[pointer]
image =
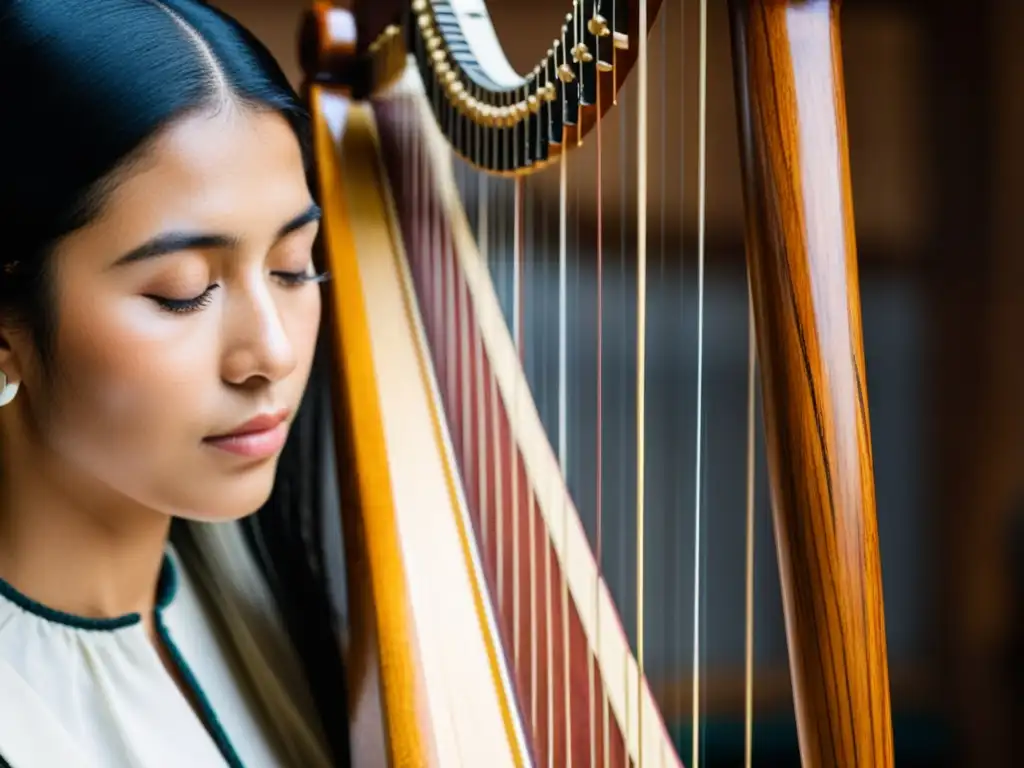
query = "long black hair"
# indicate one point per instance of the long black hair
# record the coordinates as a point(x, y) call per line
point(84, 85)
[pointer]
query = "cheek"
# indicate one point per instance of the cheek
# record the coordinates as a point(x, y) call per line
point(130, 397)
point(139, 390)
point(303, 326)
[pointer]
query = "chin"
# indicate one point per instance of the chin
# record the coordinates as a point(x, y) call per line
point(231, 497)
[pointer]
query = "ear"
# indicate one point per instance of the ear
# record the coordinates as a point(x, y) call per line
point(13, 349)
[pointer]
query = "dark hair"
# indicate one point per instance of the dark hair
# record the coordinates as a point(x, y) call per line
point(85, 85)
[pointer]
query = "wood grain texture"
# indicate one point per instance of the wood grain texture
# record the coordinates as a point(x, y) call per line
point(382, 626)
point(801, 253)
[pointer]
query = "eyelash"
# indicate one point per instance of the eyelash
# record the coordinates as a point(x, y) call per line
point(185, 306)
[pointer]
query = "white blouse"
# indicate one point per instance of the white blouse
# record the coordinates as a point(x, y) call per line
point(95, 693)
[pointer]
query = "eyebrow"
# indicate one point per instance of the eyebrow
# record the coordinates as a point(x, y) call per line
point(175, 242)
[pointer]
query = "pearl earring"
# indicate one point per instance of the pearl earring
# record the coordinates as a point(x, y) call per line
point(8, 389)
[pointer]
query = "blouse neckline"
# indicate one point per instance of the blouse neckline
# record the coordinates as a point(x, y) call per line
point(167, 587)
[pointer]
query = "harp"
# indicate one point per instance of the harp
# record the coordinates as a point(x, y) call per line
point(484, 628)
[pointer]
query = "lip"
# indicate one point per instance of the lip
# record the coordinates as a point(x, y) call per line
point(259, 438)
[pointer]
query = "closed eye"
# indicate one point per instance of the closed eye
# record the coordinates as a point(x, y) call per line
point(196, 303)
point(301, 278)
point(184, 306)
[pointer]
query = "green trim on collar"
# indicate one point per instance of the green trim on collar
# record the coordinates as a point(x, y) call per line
point(167, 584)
point(167, 587)
point(166, 590)
point(209, 716)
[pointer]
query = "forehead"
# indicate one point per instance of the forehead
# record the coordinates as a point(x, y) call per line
point(233, 169)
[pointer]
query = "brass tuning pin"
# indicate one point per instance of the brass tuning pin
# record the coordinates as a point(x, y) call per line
point(581, 54)
point(533, 100)
point(564, 71)
point(598, 26)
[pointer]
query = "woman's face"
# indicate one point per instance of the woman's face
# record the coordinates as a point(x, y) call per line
point(179, 320)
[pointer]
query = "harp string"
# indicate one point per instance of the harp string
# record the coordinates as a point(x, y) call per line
point(545, 380)
point(623, 499)
point(563, 443)
point(517, 321)
point(549, 625)
point(483, 238)
point(578, 271)
point(452, 337)
point(517, 331)
point(499, 485)
point(531, 510)
point(662, 223)
point(680, 494)
point(577, 15)
point(598, 462)
point(641, 362)
point(748, 662)
point(615, 56)
point(438, 270)
point(464, 351)
point(698, 506)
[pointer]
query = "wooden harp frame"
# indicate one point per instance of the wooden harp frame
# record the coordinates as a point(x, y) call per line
point(802, 266)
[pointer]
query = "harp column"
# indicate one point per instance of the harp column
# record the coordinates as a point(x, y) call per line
point(802, 261)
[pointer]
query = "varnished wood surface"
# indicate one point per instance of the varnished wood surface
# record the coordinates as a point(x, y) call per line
point(802, 260)
point(383, 631)
point(327, 43)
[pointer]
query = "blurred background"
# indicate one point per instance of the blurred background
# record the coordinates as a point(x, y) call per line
point(935, 119)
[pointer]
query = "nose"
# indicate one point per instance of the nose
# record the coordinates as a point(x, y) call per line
point(259, 347)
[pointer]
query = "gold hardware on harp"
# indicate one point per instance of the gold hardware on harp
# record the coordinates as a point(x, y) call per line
point(598, 26)
point(580, 54)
